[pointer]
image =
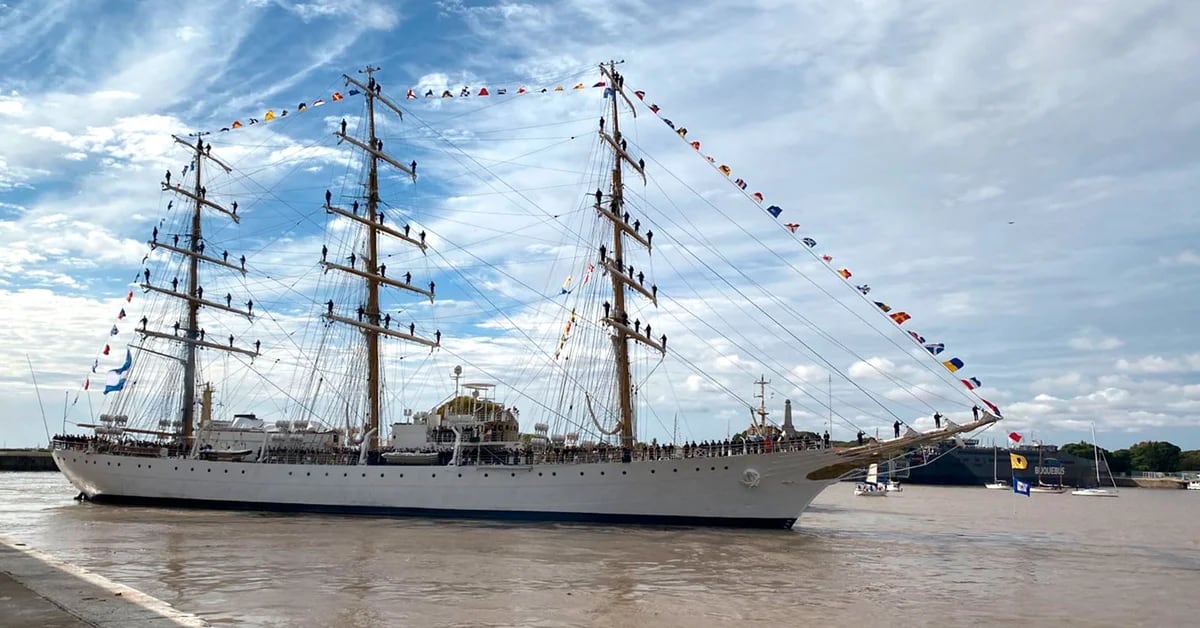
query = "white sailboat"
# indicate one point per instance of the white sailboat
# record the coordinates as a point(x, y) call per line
point(1097, 491)
point(1042, 487)
point(996, 483)
point(871, 486)
point(465, 456)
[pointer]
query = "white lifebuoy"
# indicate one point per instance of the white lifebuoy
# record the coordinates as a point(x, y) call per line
point(750, 478)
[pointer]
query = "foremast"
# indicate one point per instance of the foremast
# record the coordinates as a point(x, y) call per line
point(369, 319)
point(621, 275)
point(194, 336)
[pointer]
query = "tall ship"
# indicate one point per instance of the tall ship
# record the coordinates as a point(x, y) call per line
point(967, 462)
point(527, 422)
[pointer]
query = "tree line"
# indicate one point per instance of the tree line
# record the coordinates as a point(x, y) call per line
point(1150, 455)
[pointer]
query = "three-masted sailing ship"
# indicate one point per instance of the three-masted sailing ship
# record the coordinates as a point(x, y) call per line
point(467, 457)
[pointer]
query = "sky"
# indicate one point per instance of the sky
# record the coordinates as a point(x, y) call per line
point(1021, 182)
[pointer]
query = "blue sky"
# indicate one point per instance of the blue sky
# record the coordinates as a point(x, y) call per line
point(1021, 182)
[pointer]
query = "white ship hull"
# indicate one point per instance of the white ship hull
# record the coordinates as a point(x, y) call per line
point(757, 490)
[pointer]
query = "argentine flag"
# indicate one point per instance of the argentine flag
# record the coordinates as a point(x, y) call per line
point(115, 379)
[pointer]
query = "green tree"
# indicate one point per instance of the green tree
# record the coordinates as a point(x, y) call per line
point(1155, 456)
point(1189, 460)
point(1119, 461)
point(1081, 449)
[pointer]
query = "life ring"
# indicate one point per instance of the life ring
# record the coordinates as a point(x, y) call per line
point(750, 478)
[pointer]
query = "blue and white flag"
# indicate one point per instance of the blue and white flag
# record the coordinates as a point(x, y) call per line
point(1020, 488)
point(115, 379)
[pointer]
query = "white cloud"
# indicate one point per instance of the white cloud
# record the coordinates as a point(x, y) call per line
point(1071, 381)
point(981, 193)
point(1089, 342)
point(1158, 364)
point(1183, 258)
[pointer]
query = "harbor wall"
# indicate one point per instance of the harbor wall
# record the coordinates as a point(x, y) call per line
point(37, 589)
point(1173, 483)
point(27, 460)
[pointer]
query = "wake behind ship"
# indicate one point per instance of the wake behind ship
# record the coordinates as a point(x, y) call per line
point(345, 436)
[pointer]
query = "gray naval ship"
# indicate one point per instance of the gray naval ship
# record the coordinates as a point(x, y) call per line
point(967, 463)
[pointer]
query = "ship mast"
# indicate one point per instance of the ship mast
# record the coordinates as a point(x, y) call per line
point(620, 272)
point(369, 319)
point(193, 335)
point(762, 404)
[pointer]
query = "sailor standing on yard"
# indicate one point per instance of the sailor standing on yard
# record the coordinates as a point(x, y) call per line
point(896, 428)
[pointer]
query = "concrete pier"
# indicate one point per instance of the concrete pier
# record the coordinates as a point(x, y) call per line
point(26, 460)
point(41, 591)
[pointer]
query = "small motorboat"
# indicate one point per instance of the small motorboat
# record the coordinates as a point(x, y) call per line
point(226, 455)
point(1094, 492)
point(410, 457)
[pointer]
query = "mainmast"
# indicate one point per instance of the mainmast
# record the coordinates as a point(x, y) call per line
point(620, 272)
point(369, 318)
point(193, 335)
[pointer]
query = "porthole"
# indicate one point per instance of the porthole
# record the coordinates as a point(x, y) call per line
point(514, 475)
point(697, 469)
point(402, 475)
point(176, 468)
point(581, 474)
point(226, 470)
point(139, 466)
point(651, 470)
point(675, 470)
point(243, 472)
point(193, 469)
point(601, 473)
point(485, 475)
point(539, 474)
point(554, 473)
point(208, 470)
point(713, 469)
point(289, 472)
point(624, 473)
point(118, 464)
point(364, 475)
point(345, 475)
point(433, 475)
point(380, 475)
point(306, 474)
point(326, 474)
point(460, 475)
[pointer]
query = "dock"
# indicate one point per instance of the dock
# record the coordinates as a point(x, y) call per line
point(39, 590)
point(27, 460)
